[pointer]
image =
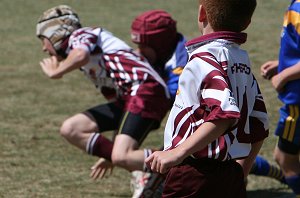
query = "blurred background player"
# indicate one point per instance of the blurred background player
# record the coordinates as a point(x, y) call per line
point(157, 39)
point(138, 96)
point(285, 78)
point(156, 36)
point(219, 114)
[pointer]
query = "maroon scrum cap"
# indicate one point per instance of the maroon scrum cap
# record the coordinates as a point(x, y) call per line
point(156, 29)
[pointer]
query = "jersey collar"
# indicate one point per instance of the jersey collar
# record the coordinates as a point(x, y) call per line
point(235, 37)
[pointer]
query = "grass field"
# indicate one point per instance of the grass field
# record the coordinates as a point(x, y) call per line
point(34, 160)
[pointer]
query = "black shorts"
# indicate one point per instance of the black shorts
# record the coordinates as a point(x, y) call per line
point(288, 147)
point(111, 116)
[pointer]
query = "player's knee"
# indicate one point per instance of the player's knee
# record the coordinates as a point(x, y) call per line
point(67, 129)
point(280, 160)
point(277, 159)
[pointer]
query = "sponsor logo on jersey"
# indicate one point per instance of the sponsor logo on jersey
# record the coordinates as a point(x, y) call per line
point(178, 106)
point(240, 68)
point(232, 99)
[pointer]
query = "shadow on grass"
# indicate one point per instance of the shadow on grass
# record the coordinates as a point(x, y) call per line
point(270, 193)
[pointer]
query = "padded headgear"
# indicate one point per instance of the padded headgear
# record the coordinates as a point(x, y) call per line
point(156, 29)
point(56, 24)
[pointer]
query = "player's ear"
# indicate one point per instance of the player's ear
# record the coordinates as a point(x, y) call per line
point(202, 14)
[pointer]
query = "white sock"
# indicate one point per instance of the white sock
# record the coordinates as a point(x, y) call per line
point(147, 153)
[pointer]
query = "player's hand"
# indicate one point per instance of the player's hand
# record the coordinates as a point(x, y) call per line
point(49, 66)
point(162, 161)
point(100, 168)
point(269, 69)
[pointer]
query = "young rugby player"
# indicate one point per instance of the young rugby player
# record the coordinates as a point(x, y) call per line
point(157, 39)
point(138, 96)
point(285, 77)
point(219, 114)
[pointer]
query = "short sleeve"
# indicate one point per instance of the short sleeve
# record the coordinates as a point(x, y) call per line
point(217, 97)
point(83, 38)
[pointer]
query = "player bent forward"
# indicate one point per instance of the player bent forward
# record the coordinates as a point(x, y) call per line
point(138, 97)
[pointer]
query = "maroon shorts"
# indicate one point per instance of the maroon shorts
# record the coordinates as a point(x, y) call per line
point(205, 178)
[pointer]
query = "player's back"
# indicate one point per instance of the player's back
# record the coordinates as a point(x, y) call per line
point(218, 80)
point(253, 123)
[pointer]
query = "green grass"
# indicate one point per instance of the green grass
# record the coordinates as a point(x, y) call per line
point(34, 160)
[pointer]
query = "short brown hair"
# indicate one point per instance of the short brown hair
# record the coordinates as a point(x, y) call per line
point(229, 15)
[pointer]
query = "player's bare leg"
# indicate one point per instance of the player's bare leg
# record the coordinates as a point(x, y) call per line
point(77, 129)
point(290, 166)
point(125, 153)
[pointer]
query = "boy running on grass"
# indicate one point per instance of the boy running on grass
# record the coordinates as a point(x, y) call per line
point(219, 114)
point(137, 96)
point(156, 36)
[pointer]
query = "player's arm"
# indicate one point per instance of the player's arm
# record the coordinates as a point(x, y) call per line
point(55, 69)
point(247, 163)
point(162, 161)
point(289, 74)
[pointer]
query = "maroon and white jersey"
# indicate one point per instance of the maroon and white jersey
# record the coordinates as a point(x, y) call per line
point(217, 83)
point(113, 64)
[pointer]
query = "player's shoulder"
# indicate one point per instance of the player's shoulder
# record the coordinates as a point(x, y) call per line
point(201, 63)
point(296, 2)
point(205, 55)
point(86, 31)
point(295, 6)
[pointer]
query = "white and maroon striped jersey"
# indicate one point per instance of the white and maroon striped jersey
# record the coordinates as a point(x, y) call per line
point(217, 83)
point(113, 64)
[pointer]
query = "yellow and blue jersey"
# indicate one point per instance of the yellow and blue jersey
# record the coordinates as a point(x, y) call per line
point(289, 53)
